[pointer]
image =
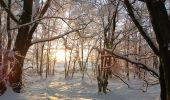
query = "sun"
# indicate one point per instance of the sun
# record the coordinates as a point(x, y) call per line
point(60, 55)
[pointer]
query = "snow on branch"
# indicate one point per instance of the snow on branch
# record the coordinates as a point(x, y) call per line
point(39, 19)
point(85, 25)
point(55, 37)
point(13, 17)
point(136, 21)
point(119, 56)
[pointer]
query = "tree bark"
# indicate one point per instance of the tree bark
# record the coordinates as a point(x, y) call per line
point(161, 25)
point(23, 42)
point(21, 47)
point(162, 83)
point(2, 83)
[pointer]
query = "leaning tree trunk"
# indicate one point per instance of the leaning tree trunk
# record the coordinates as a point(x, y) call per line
point(21, 47)
point(23, 42)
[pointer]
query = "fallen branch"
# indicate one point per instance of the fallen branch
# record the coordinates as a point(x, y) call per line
point(143, 90)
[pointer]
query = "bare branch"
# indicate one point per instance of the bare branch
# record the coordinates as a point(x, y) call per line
point(129, 86)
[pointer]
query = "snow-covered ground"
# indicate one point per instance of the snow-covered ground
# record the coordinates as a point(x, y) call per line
point(58, 88)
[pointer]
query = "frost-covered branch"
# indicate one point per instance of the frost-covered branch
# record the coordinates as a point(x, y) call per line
point(66, 45)
point(13, 17)
point(55, 37)
point(140, 28)
point(39, 19)
point(140, 65)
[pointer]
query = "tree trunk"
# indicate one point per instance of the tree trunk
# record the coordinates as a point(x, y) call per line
point(74, 65)
point(37, 56)
point(161, 25)
point(15, 78)
point(162, 83)
point(41, 60)
point(2, 83)
point(65, 64)
point(21, 47)
point(127, 63)
point(166, 71)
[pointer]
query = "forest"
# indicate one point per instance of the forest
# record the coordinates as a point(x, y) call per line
point(84, 50)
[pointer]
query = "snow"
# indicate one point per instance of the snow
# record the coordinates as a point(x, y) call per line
point(58, 88)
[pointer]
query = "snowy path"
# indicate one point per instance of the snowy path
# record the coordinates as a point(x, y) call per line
point(57, 88)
